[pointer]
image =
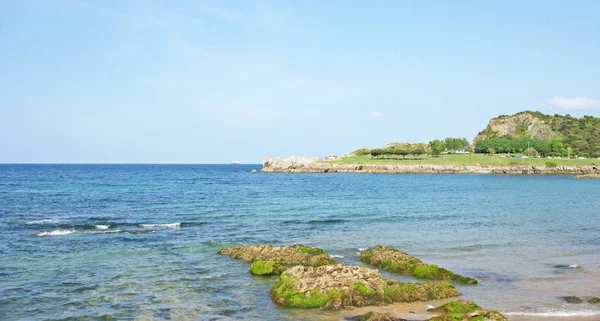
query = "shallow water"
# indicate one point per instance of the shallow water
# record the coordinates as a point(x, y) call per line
point(140, 241)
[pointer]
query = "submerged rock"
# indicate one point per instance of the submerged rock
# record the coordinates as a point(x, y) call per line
point(594, 300)
point(340, 286)
point(573, 299)
point(376, 316)
point(396, 261)
point(462, 310)
point(269, 259)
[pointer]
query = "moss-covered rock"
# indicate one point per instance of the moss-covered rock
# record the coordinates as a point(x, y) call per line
point(573, 299)
point(376, 316)
point(462, 310)
point(339, 286)
point(269, 267)
point(423, 291)
point(269, 259)
point(594, 300)
point(396, 261)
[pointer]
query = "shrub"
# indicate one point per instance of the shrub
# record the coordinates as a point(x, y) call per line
point(551, 164)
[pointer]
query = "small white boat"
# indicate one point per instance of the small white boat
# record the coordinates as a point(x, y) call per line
point(236, 162)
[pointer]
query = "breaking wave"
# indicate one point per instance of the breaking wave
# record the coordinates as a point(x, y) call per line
point(55, 233)
point(168, 225)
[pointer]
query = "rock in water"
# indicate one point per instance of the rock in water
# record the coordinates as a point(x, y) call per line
point(340, 286)
point(462, 310)
point(594, 300)
point(396, 261)
point(269, 259)
point(573, 299)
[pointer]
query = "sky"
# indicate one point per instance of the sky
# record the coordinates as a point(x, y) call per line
point(87, 81)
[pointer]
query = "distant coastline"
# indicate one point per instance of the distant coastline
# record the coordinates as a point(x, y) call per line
point(296, 164)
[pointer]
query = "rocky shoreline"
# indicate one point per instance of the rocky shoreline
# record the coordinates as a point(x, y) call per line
point(309, 278)
point(296, 164)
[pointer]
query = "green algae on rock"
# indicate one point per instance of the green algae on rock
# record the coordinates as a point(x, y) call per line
point(393, 260)
point(268, 259)
point(594, 300)
point(340, 286)
point(462, 310)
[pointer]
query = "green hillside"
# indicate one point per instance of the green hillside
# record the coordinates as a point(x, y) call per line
point(581, 135)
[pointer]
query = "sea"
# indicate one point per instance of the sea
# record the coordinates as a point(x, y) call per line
point(140, 242)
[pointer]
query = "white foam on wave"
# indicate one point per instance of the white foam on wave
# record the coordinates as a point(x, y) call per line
point(557, 313)
point(211, 276)
point(170, 225)
point(105, 231)
point(361, 249)
point(55, 233)
point(573, 266)
point(42, 222)
point(337, 256)
point(102, 227)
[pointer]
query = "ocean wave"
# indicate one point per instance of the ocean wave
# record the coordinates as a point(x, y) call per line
point(557, 313)
point(210, 277)
point(360, 249)
point(102, 227)
point(337, 256)
point(55, 233)
point(168, 225)
point(42, 222)
point(106, 231)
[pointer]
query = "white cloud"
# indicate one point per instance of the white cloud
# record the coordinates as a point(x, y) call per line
point(376, 114)
point(574, 103)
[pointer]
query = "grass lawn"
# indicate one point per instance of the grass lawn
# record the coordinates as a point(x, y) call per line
point(466, 159)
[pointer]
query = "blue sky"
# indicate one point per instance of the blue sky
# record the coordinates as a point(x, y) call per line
point(214, 81)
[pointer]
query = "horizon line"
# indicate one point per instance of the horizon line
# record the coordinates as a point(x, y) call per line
point(67, 163)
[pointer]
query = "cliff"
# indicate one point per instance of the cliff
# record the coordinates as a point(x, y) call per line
point(296, 164)
point(523, 124)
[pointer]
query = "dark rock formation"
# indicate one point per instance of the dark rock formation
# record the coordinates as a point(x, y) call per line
point(573, 299)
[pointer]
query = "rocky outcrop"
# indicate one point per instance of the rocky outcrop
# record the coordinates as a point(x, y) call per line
point(269, 259)
point(524, 124)
point(291, 162)
point(312, 165)
point(396, 261)
point(341, 286)
point(461, 310)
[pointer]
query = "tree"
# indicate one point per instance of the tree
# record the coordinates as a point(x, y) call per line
point(376, 152)
point(449, 142)
point(402, 150)
point(437, 147)
point(417, 149)
point(491, 150)
point(530, 152)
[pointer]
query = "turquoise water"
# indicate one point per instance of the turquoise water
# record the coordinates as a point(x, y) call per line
point(139, 241)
